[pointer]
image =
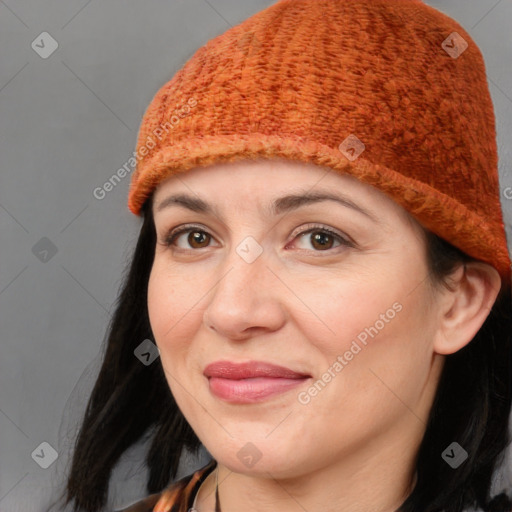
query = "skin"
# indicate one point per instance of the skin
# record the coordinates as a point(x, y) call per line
point(301, 304)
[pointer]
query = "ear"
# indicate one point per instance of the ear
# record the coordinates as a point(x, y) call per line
point(464, 308)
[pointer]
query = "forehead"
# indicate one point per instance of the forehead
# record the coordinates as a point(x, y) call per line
point(262, 178)
point(266, 184)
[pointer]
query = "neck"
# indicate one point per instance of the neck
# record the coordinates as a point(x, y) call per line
point(358, 488)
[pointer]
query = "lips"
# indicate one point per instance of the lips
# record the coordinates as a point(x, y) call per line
point(255, 381)
point(252, 369)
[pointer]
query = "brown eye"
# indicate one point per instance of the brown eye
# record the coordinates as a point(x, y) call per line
point(196, 239)
point(322, 240)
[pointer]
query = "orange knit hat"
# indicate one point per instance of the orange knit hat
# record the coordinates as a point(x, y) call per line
point(393, 92)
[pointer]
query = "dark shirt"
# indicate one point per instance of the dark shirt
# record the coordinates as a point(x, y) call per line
point(177, 497)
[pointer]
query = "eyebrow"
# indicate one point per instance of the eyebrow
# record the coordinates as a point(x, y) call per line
point(278, 206)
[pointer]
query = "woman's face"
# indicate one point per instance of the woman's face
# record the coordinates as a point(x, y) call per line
point(335, 292)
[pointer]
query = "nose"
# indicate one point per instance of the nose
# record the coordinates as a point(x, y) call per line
point(247, 299)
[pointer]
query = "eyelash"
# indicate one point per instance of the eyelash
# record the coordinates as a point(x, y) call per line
point(174, 234)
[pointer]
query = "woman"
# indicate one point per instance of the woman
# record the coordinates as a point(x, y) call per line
point(320, 294)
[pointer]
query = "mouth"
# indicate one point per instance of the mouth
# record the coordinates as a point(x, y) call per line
point(251, 382)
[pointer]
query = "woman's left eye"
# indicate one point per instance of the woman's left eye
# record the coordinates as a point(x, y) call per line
point(322, 239)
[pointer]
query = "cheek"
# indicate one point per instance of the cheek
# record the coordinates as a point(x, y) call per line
point(171, 319)
point(159, 301)
point(176, 312)
point(377, 324)
point(170, 309)
point(347, 311)
point(371, 366)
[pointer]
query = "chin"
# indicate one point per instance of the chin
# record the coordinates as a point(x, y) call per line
point(259, 458)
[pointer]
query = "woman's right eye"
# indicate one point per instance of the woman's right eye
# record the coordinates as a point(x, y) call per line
point(196, 235)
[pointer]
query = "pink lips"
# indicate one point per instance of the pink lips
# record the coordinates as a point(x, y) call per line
point(250, 382)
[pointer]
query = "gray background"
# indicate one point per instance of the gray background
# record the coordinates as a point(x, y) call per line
point(67, 123)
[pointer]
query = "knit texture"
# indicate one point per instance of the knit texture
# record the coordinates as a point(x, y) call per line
point(310, 80)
